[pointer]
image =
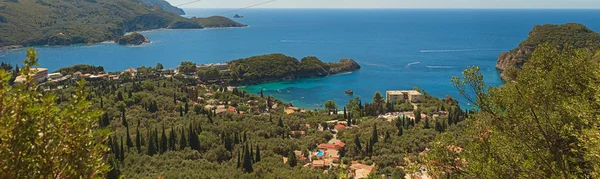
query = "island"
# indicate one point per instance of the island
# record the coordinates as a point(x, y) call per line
point(265, 68)
point(568, 35)
point(58, 23)
point(132, 39)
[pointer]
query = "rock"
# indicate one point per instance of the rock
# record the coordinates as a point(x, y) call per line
point(344, 65)
point(133, 39)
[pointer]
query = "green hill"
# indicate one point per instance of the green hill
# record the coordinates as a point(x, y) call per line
point(165, 6)
point(275, 67)
point(66, 22)
point(567, 35)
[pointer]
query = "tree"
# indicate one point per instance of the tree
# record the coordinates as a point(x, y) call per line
point(400, 131)
point(547, 119)
point(257, 158)
point(164, 146)
point(138, 139)
point(330, 106)
point(426, 126)
point(159, 66)
point(387, 136)
point(375, 136)
point(292, 161)
point(357, 143)
point(129, 141)
point(247, 160)
point(180, 111)
point(172, 140)
point(417, 114)
point(151, 145)
point(182, 140)
point(32, 149)
point(194, 141)
point(187, 107)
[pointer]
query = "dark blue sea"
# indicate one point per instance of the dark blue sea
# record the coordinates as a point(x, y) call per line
point(398, 49)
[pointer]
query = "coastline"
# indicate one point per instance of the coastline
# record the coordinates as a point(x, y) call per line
point(19, 47)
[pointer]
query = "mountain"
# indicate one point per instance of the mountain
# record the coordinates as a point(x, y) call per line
point(165, 6)
point(66, 22)
point(567, 35)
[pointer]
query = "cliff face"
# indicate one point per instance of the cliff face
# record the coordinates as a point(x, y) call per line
point(132, 39)
point(562, 36)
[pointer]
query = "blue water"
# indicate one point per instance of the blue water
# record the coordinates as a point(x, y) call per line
point(398, 49)
point(320, 154)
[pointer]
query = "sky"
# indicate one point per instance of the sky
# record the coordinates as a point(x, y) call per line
point(565, 4)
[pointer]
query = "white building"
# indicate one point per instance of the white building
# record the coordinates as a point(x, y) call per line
point(412, 96)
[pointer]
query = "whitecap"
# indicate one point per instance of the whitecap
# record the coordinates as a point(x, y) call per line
point(412, 63)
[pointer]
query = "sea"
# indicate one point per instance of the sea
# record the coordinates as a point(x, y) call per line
point(397, 48)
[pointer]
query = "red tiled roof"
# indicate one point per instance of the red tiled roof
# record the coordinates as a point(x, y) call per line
point(340, 126)
point(340, 143)
point(328, 146)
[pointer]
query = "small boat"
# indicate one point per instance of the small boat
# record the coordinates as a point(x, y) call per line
point(349, 92)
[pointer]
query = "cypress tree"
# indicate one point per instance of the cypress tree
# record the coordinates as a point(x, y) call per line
point(400, 131)
point(182, 140)
point(151, 146)
point(124, 119)
point(193, 140)
point(172, 140)
point(119, 96)
point(180, 111)
point(357, 143)
point(257, 159)
point(129, 141)
point(292, 159)
point(101, 103)
point(122, 151)
point(187, 107)
point(156, 141)
point(375, 137)
point(251, 154)
point(163, 141)
point(174, 98)
point(238, 160)
point(438, 126)
point(427, 123)
point(247, 160)
point(345, 115)
point(280, 122)
point(261, 91)
point(236, 139)
point(138, 140)
point(417, 114)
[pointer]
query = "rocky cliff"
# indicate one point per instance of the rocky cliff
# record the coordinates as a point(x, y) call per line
point(132, 39)
point(564, 36)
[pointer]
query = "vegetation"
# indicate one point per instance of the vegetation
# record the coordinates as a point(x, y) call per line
point(43, 139)
point(53, 22)
point(81, 68)
point(544, 125)
point(132, 39)
point(165, 6)
point(278, 66)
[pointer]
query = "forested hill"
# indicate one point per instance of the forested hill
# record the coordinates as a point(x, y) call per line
point(66, 22)
point(165, 6)
point(567, 35)
point(274, 67)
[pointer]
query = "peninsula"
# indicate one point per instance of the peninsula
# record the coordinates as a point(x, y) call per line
point(55, 23)
point(266, 68)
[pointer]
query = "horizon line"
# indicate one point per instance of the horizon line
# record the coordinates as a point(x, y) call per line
point(407, 8)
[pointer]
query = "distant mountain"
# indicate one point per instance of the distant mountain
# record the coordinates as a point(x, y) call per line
point(166, 6)
point(66, 22)
point(567, 35)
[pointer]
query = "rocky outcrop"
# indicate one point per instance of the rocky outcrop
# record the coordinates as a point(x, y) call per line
point(344, 65)
point(133, 39)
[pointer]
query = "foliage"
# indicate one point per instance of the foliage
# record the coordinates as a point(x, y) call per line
point(543, 125)
point(42, 139)
point(81, 68)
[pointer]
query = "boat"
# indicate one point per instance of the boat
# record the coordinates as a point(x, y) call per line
point(238, 16)
point(349, 92)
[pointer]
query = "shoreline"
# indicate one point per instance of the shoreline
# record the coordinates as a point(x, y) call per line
point(19, 47)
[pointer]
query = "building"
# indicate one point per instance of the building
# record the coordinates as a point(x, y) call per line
point(219, 66)
point(412, 96)
point(38, 74)
point(361, 170)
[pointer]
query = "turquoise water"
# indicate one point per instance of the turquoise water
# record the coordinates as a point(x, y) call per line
point(398, 49)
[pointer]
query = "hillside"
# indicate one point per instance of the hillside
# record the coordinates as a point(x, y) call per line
point(165, 6)
point(57, 22)
point(567, 35)
point(273, 67)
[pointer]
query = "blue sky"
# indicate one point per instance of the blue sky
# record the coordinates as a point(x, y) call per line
point(570, 4)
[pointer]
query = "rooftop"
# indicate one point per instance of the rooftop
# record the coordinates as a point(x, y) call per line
point(399, 92)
